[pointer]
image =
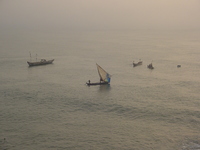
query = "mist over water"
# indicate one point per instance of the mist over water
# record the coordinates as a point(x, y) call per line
point(101, 15)
point(50, 107)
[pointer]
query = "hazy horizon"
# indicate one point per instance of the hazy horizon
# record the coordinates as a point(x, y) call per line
point(102, 15)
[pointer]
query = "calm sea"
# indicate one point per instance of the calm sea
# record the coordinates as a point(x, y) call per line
point(50, 107)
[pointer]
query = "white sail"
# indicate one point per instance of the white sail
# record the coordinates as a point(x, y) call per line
point(104, 76)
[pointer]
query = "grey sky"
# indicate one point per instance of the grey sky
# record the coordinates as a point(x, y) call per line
point(100, 14)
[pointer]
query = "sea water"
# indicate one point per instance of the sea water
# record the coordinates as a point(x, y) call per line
point(50, 107)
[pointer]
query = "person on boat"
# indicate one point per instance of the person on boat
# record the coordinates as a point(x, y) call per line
point(89, 81)
point(101, 80)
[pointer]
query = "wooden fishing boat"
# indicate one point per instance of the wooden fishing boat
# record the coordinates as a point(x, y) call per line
point(41, 62)
point(150, 66)
point(104, 77)
point(96, 83)
point(137, 64)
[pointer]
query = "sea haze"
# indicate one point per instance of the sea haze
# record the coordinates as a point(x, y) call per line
point(50, 107)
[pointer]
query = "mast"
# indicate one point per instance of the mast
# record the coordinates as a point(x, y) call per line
point(30, 55)
point(36, 57)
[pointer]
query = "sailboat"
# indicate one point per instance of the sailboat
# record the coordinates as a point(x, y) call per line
point(104, 77)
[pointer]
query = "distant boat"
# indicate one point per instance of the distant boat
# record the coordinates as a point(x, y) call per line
point(137, 64)
point(178, 66)
point(41, 62)
point(150, 66)
point(104, 77)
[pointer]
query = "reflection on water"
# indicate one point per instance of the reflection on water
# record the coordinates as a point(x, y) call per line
point(192, 144)
point(4, 144)
point(104, 88)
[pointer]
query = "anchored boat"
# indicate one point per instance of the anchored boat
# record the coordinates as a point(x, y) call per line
point(137, 64)
point(150, 66)
point(41, 62)
point(104, 77)
point(38, 63)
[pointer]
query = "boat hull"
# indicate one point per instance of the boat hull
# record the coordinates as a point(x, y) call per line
point(40, 63)
point(97, 83)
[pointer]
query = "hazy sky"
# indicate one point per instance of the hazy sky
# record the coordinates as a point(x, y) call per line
point(100, 14)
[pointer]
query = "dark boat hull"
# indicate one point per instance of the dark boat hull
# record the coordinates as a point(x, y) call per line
point(97, 83)
point(150, 67)
point(137, 64)
point(40, 63)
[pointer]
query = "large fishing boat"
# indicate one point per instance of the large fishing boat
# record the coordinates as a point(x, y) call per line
point(38, 63)
point(104, 77)
point(41, 62)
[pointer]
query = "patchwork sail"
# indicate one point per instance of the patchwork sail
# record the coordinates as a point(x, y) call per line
point(104, 77)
